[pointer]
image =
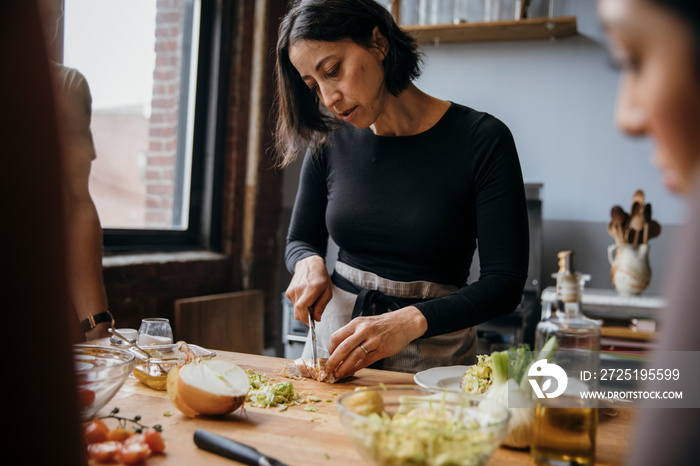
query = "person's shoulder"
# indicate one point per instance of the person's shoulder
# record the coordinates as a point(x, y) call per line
point(344, 135)
point(467, 117)
point(68, 74)
point(70, 81)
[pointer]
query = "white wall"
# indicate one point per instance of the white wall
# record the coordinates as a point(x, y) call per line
point(557, 97)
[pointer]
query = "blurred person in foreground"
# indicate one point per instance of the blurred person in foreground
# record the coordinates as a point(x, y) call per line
point(39, 384)
point(404, 183)
point(657, 45)
point(84, 235)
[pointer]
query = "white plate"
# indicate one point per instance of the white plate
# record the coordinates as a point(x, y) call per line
point(441, 377)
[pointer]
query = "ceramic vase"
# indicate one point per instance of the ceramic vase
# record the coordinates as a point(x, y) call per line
point(629, 268)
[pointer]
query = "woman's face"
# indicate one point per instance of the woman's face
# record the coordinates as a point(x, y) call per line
point(659, 91)
point(348, 78)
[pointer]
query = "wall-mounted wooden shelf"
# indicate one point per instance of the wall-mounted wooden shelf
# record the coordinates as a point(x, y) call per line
point(524, 29)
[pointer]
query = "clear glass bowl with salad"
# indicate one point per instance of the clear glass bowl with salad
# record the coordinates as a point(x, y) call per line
point(407, 424)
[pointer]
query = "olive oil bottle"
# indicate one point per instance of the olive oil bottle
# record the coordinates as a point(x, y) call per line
point(564, 427)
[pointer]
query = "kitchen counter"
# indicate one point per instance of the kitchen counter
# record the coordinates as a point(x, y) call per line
point(296, 436)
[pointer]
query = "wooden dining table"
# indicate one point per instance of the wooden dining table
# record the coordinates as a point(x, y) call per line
point(297, 436)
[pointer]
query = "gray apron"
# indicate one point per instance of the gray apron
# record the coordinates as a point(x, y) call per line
point(456, 348)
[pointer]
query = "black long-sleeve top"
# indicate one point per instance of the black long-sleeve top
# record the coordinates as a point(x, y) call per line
point(412, 208)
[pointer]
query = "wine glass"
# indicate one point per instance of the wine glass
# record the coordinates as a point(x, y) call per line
point(155, 331)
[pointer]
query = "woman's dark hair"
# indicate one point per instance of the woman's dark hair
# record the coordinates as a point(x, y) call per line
point(302, 121)
point(687, 11)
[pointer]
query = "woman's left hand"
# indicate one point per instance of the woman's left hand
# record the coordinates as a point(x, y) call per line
point(368, 339)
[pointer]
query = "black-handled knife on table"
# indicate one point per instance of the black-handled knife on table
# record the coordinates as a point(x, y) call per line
point(231, 449)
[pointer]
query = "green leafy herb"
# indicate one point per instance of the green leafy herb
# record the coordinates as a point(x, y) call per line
point(124, 421)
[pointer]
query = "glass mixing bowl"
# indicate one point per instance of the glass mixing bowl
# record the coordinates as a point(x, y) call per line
point(393, 425)
point(100, 373)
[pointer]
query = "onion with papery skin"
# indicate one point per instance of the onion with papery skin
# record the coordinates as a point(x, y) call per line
point(208, 387)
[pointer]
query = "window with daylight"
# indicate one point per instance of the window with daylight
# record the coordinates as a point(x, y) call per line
point(150, 91)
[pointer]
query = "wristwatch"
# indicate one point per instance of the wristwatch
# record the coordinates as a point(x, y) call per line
point(93, 321)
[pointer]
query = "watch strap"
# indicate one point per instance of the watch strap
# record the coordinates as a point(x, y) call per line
point(94, 320)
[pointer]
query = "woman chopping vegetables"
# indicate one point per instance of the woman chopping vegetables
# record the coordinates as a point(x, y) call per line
point(404, 183)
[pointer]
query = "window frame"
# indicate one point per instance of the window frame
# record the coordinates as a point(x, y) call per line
point(208, 145)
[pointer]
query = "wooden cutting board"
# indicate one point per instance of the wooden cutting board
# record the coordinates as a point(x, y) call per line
point(214, 321)
point(300, 437)
point(295, 436)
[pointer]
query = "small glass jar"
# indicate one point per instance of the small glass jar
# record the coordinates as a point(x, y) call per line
point(408, 14)
point(510, 10)
point(461, 11)
point(435, 12)
point(153, 363)
point(152, 367)
point(155, 331)
point(492, 10)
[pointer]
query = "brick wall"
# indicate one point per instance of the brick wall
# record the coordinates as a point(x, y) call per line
point(149, 288)
point(162, 135)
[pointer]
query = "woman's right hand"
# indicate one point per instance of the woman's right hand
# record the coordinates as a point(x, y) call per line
point(310, 287)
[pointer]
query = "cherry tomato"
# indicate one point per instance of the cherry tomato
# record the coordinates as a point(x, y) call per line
point(136, 438)
point(154, 440)
point(134, 452)
point(150, 437)
point(104, 452)
point(85, 398)
point(119, 434)
point(96, 431)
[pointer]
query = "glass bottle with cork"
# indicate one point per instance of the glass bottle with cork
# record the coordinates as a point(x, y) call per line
point(564, 427)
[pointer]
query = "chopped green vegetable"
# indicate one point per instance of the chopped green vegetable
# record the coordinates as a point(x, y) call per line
point(265, 394)
point(477, 378)
point(168, 413)
point(426, 432)
point(311, 409)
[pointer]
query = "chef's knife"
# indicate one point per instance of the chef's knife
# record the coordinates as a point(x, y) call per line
point(231, 449)
point(312, 325)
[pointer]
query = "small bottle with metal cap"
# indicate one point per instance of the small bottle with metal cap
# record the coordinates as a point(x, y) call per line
point(567, 324)
point(564, 426)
